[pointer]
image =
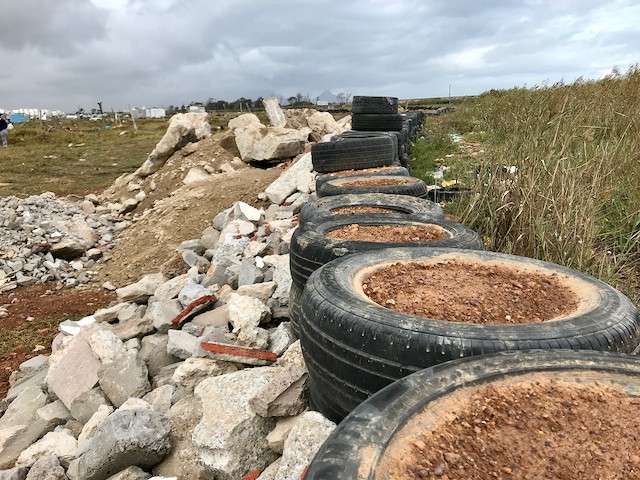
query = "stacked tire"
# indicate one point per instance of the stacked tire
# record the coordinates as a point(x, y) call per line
point(353, 346)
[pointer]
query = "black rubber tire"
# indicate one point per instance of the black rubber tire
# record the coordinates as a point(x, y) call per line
point(354, 347)
point(295, 308)
point(320, 211)
point(356, 449)
point(310, 248)
point(376, 122)
point(363, 104)
point(395, 172)
point(415, 187)
point(355, 153)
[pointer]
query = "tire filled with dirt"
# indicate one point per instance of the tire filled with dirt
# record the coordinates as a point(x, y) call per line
point(374, 317)
point(560, 414)
point(374, 205)
point(391, 171)
point(317, 245)
point(411, 186)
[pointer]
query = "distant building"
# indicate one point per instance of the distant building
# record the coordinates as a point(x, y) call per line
point(196, 109)
point(144, 112)
point(18, 117)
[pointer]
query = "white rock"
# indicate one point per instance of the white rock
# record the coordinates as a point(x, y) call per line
point(60, 443)
point(274, 112)
point(246, 312)
point(89, 428)
point(195, 174)
point(279, 434)
point(193, 370)
point(287, 183)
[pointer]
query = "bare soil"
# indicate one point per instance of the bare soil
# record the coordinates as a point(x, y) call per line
point(470, 293)
point(388, 233)
point(530, 430)
point(32, 317)
point(363, 209)
point(364, 171)
point(182, 216)
point(377, 182)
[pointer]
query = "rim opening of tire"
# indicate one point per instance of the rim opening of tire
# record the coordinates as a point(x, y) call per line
point(475, 292)
point(365, 171)
point(377, 182)
point(389, 233)
point(360, 209)
point(529, 426)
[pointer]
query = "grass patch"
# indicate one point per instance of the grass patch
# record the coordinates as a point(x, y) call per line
point(73, 157)
point(26, 334)
point(574, 199)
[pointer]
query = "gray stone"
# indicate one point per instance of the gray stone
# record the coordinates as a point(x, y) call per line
point(160, 398)
point(192, 292)
point(87, 403)
point(284, 395)
point(109, 314)
point(231, 438)
point(279, 434)
point(183, 345)
point(79, 238)
point(54, 413)
point(274, 112)
point(131, 311)
point(281, 338)
point(91, 427)
point(193, 370)
point(246, 312)
point(181, 131)
point(59, 443)
point(131, 473)
point(162, 314)
point(302, 444)
point(105, 344)
point(270, 472)
point(218, 317)
point(268, 143)
point(20, 425)
point(126, 377)
point(244, 121)
point(183, 461)
point(196, 174)
point(129, 437)
point(140, 291)
point(75, 372)
point(35, 364)
point(133, 328)
point(261, 291)
point(18, 473)
point(47, 468)
point(171, 288)
point(249, 273)
point(287, 182)
point(35, 380)
point(154, 353)
point(282, 277)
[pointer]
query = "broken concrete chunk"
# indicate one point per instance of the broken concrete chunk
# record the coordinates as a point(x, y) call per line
point(128, 437)
point(154, 353)
point(246, 312)
point(59, 443)
point(47, 468)
point(140, 291)
point(279, 434)
point(274, 112)
point(125, 377)
point(87, 403)
point(193, 370)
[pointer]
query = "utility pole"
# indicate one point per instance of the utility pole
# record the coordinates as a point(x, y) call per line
point(449, 93)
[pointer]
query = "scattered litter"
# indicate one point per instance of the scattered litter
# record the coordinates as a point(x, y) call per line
point(30, 319)
point(122, 133)
point(455, 138)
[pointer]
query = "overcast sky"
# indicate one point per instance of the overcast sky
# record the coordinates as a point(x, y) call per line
point(64, 54)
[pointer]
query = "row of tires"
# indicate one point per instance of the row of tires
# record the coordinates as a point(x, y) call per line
point(354, 347)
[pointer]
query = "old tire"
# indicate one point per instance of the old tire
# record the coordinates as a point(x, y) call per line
point(310, 248)
point(353, 153)
point(358, 447)
point(363, 104)
point(410, 186)
point(354, 347)
point(374, 122)
point(295, 307)
point(407, 207)
point(388, 172)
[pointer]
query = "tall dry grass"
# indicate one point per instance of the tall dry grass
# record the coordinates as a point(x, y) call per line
point(575, 198)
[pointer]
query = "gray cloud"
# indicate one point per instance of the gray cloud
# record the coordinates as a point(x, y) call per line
point(72, 53)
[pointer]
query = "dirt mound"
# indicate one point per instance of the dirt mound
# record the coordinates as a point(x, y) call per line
point(182, 215)
point(172, 211)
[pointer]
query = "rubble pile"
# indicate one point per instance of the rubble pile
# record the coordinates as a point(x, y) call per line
point(193, 373)
point(45, 238)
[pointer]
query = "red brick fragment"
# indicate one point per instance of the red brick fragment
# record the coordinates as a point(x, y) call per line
point(239, 351)
point(252, 476)
point(207, 298)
